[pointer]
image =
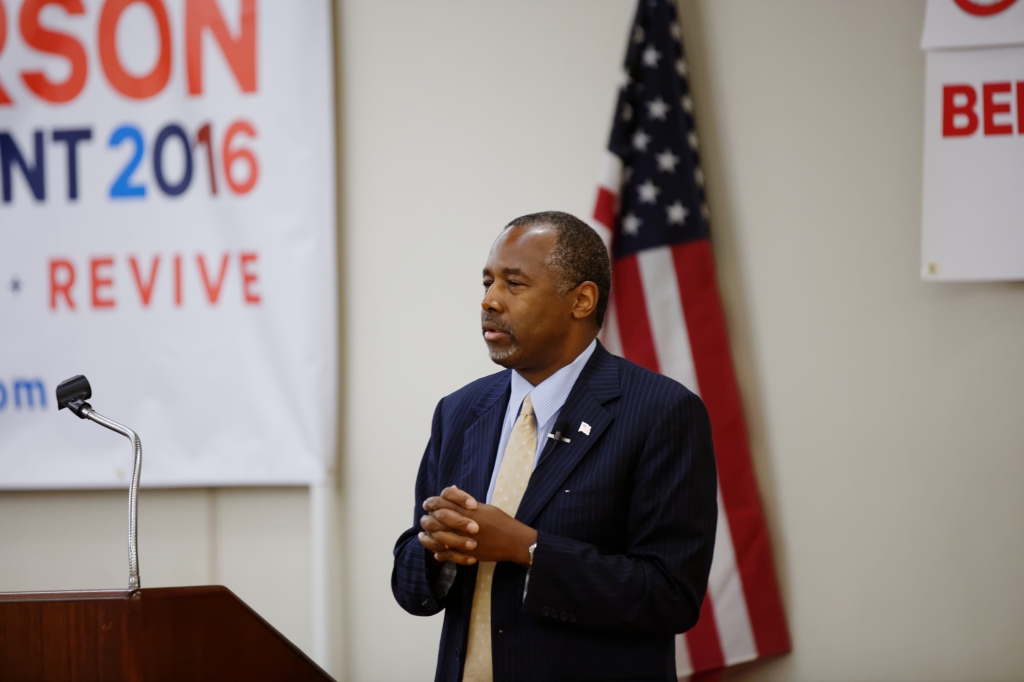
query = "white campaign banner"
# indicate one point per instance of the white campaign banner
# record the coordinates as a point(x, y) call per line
point(167, 229)
point(973, 201)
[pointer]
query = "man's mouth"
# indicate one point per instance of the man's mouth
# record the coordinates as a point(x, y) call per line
point(495, 331)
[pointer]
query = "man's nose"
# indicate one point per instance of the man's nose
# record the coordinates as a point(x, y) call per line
point(492, 302)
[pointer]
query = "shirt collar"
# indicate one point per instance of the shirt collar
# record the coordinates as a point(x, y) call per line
point(549, 395)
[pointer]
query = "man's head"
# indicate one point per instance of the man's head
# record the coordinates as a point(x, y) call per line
point(546, 286)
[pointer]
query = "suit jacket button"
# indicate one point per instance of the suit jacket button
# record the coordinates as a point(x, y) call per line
point(545, 611)
point(565, 616)
point(572, 617)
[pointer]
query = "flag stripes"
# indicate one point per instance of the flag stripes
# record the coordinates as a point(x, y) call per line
point(666, 314)
point(635, 336)
point(728, 601)
point(697, 282)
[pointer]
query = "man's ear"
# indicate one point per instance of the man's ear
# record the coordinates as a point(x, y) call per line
point(585, 300)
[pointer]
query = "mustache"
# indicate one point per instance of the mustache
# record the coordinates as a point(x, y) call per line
point(496, 322)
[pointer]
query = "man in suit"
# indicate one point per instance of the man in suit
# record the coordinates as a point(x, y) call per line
point(594, 545)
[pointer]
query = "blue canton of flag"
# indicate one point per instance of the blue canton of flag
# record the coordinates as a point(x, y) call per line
point(661, 200)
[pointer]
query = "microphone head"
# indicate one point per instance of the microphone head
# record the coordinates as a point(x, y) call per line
point(561, 426)
point(72, 394)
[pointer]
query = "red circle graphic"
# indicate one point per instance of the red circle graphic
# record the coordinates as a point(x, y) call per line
point(979, 10)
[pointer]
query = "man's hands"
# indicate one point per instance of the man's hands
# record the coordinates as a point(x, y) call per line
point(458, 528)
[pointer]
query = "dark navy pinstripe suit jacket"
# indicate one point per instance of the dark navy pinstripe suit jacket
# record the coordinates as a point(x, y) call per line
point(625, 521)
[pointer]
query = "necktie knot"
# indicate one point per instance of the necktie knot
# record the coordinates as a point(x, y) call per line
point(527, 409)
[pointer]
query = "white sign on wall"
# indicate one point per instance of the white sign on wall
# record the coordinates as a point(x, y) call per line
point(167, 229)
point(973, 194)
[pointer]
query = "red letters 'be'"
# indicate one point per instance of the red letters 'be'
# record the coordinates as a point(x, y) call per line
point(959, 109)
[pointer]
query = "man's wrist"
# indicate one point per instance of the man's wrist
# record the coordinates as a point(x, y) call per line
point(525, 557)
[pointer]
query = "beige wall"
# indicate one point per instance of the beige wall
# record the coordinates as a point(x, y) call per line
point(255, 541)
point(883, 411)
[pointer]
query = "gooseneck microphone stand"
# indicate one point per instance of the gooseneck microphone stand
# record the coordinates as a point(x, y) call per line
point(153, 633)
point(72, 394)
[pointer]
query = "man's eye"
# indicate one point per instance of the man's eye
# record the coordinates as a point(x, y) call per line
point(487, 285)
point(513, 283)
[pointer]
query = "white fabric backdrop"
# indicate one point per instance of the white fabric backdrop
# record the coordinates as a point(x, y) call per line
point(206, 322)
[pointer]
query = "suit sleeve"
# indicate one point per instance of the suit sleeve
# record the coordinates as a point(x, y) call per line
point(658, 583)
point(412, 581)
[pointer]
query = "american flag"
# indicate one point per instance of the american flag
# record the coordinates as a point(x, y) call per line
point(666, 315)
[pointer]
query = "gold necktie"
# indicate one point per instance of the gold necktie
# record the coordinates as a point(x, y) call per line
point(513, 477)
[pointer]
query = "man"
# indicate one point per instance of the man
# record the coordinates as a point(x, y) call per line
point(594, 545)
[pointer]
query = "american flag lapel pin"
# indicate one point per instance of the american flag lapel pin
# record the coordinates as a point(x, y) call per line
point(585, 428)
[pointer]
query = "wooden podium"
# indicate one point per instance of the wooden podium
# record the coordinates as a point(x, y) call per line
point(175, 634)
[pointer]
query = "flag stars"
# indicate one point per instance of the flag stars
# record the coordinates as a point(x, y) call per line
point(648, 192)
point(631, 224)
point(661, 168)
point(657, 109)
point(676, 213)
point(667, 161)
point(651, 56)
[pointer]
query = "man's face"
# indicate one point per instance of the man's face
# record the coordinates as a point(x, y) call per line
point(525, 320)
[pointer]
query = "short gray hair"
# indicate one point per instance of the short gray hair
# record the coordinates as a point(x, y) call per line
point(579, 255)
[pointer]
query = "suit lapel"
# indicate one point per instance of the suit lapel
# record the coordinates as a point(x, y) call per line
point(561, 458)
point(480, 440)
point(598, 383)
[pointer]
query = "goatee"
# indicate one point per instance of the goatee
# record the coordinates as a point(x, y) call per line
point(503, 354)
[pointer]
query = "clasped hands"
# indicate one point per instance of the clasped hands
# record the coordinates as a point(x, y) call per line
point(458, 528)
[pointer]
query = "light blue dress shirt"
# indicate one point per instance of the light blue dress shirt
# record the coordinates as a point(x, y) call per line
point(548, 397)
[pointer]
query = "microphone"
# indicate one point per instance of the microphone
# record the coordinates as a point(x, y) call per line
point(73, 393)
point(561, 426)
